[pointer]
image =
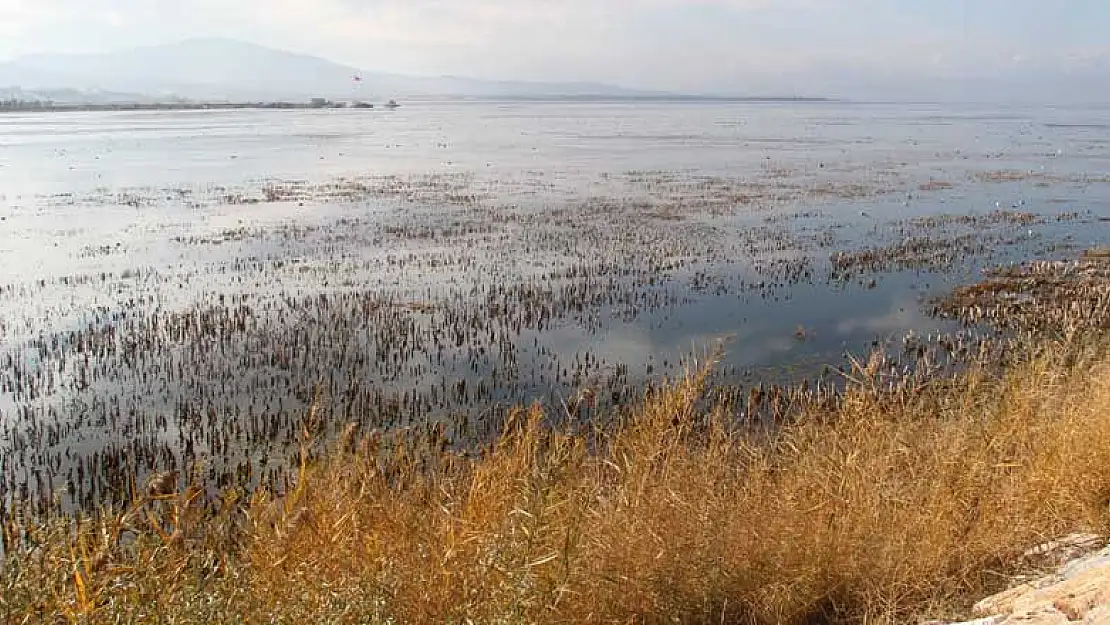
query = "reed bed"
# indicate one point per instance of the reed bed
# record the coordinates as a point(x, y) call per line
point(901, 499)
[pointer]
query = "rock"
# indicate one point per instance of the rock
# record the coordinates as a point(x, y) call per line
point(1041, 616)
point(1073, 597)
point(1080, 565)
point(1078, 591)
point(1057, 552)
point(1003, 602)
point(1098, 616)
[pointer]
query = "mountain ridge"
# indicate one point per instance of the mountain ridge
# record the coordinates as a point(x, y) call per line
point(229, 70)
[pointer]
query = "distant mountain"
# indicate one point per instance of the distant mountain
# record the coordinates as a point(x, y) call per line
point(75, 96)
point(228, 70)
point(214, 70)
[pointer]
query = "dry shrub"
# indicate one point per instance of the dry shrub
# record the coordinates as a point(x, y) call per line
point(883, 508)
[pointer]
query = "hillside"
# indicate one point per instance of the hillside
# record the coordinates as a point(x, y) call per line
point(220, 69)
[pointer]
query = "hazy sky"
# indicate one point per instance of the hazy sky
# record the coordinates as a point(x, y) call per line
point(669, 44)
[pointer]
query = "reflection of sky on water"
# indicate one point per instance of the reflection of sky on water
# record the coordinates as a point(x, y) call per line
point(764, 333)
point(530, 162)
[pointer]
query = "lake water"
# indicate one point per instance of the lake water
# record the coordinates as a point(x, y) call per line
point(177, 287)
point(65, 153)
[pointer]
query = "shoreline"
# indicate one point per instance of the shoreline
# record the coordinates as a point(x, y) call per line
point(184, 106)
point(901, 499)
point(34, 107)
point(427, 380)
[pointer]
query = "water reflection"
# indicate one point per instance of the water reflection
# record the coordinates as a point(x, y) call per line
point(188, 311)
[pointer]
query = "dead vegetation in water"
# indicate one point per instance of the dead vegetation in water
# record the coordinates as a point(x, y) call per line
point(488, 273)
point(1069, 295)
point(938, 242)
point(880, 507)
point(667, 195)
point(918, 252)
point(1039, 177)
point(935, 185)
point(993, 218)
point(1002, 175)
point(441, 188)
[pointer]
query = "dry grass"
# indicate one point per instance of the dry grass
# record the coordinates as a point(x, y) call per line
point(890, 506)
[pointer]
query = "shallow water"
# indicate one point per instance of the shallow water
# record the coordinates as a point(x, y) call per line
point(176, 287)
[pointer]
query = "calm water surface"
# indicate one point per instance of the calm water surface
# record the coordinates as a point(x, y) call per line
point(165, 275)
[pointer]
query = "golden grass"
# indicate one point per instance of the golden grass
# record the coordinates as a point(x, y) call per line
point(889, 506)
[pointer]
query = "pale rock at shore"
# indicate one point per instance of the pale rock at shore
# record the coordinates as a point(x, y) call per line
point(1040, 616)
point(1098, 616)
point(1077, 592)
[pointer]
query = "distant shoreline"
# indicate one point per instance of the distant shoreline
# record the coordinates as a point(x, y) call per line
point(46, 107)
point(649, 98)
point(43, 107)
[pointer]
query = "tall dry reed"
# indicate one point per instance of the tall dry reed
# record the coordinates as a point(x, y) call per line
point(887, 506)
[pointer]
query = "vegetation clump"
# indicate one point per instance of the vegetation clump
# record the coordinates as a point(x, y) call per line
point(897, 500)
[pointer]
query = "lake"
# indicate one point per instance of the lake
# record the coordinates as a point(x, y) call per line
point(177, 288)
